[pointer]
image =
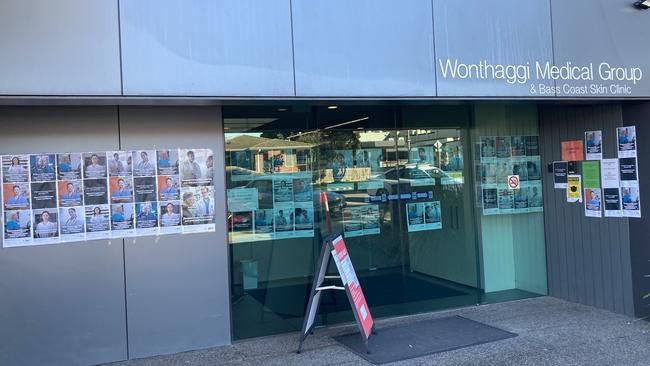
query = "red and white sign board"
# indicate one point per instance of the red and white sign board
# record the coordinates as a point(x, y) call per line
point(513, 182)
point(349, 278)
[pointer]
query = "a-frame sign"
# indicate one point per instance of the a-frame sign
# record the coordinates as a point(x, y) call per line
point(334, 247)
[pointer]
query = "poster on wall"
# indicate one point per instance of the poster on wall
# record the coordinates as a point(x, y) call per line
point(631, 202)
point(57, 198)
point(628, 172)
point(574, 188)
point(594, 145)
point(560, 170)
point(572, 150)
point(626, 138)
point(593, 202)
point(591, 174)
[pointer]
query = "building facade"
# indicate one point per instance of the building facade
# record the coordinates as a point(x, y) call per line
point(397, 123)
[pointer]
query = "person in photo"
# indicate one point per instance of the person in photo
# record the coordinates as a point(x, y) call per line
point(121, 194)
point(188, 206)
point(205, 205)
point(97, 220)
point(115, 166)
point(190, 169)
point(43, 167)
point(12, 221)
point(209, 163)
point(45, 228)
point(144, 167)
point(18, 200)
point(169, 191)
point(94, 169)
point(118, 214)
point(16, 169)
point(169, 218)
point(72, 224)
point(163, 159)
point(70, 194)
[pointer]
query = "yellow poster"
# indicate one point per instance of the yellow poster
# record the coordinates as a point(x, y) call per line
point(574, 188)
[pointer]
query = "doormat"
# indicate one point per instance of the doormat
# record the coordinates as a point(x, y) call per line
point(422, 338)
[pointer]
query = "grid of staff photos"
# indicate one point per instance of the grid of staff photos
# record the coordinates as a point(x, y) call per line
point(501, 157)
point(56, 198)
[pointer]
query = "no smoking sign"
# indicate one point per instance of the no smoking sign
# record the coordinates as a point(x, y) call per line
point(513, 182)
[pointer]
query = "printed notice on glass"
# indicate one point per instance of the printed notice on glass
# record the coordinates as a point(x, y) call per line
point(593, 202)
point(574, 188)
point(422, 216)
point(626, 138)
point(560, 169)
point(594, 145)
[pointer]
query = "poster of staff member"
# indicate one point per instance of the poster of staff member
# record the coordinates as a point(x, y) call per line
point(488, 149)
point(631, 202)
point(167, 162)
point(196, 167)
point(264, 223)
point(370, 219)
point(521, 199)
point(340, 162)
point(518, 145)
point(121, 219)
point(17, 228)
point(503, 146)
point(490, 203)
point(594, 145)
point(626, 137)
point(198, 208)
point(415, 217)
point(16, 196)
point(506, 200)
point(70, 193)
point(432, 215)
point(94, 165)
point(95, 192)
point(369, 158)
point(535, 202)
point(282, 189)
point(15, 168)
point(42, 167)
point(283, 217)
point(44, 195)
point(146, 217)
point(352, 224)
point(144, 163)
point(121, 189)
point(72, 223)
point(302, 190)
point(69, 166)
point(118, 164)
point(532, 145)
point(144, 189)
point(304, 220)
point(533, 168)
point(593, 202)
point(170, 217)
point(520, 168)
point(421, 155)
point(46, 227)
point(489, 173)
point(97, 221)
point(168, 187)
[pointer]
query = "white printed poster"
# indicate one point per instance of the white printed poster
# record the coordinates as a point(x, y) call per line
point(422, 216)
point(626, 138)
point(593, 202)
point(594, 145)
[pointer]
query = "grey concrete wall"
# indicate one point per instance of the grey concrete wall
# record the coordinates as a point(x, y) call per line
point(61, 304)
point(177, 285)
point(99, 301)
point(588, 259)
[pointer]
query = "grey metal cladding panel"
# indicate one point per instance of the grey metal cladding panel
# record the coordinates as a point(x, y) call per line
point(207, 48)
point(178, 296)
point(588, 258)
point(598, 31)
point(499, 32)
point(61, 304)
point(66, 47)
point(363, 48)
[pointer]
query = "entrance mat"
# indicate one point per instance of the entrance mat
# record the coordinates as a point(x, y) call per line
point(291, 301)
point(423, 338)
